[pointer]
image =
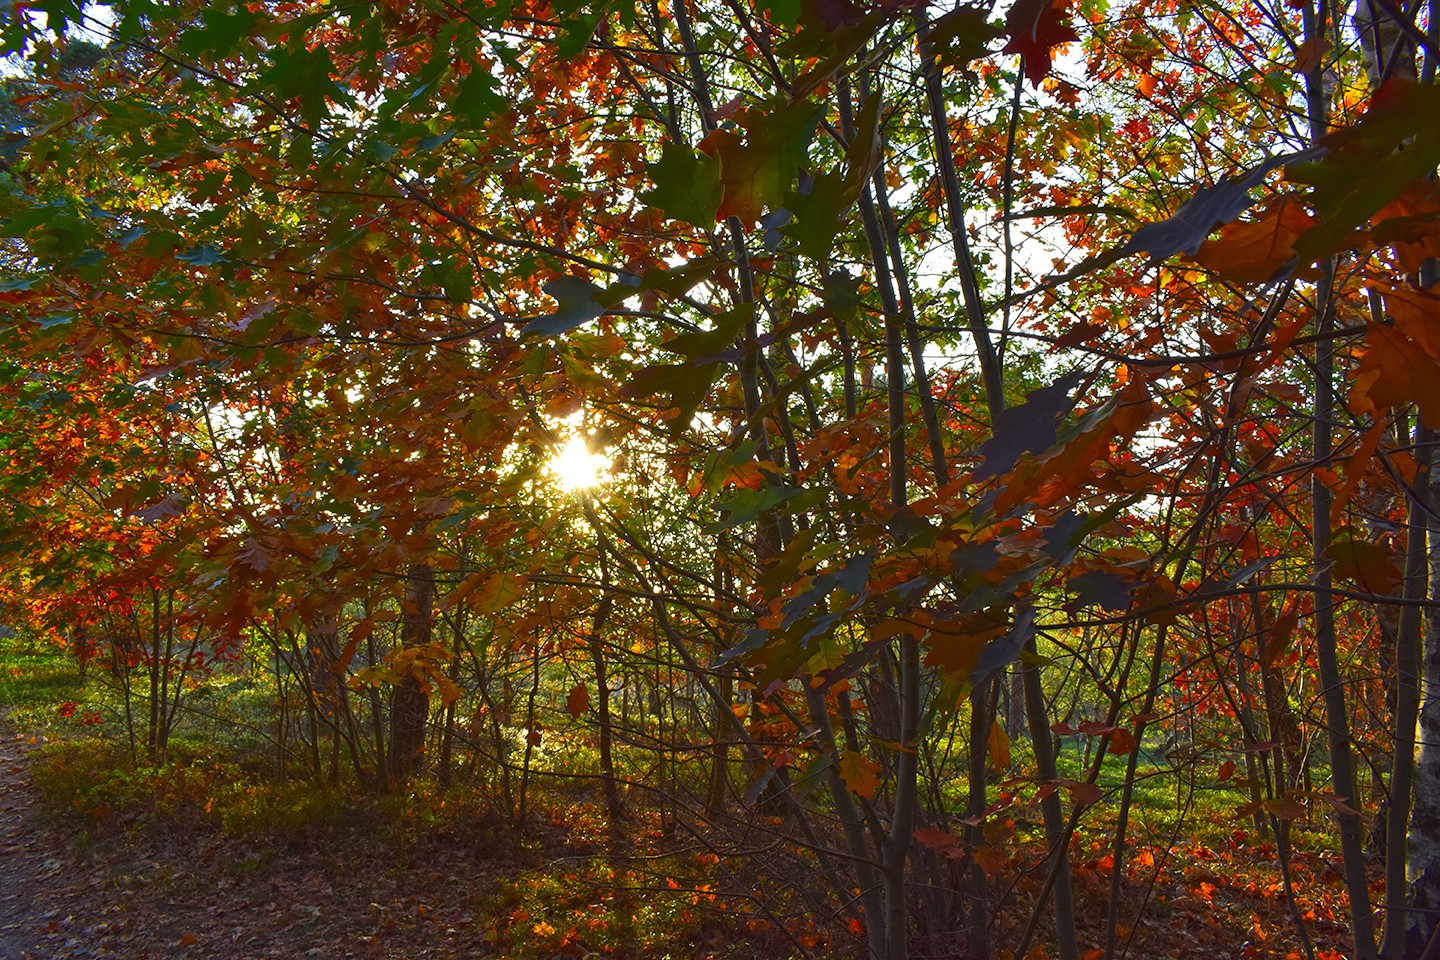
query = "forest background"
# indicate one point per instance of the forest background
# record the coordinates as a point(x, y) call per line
point(911, 481)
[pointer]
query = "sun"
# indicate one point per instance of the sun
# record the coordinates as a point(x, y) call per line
point(577, 468)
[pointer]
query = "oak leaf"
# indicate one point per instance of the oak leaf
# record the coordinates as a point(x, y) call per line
point(860, 774)
point(1035, 27)
point(1256, 251)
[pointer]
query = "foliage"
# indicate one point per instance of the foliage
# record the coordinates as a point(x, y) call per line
point(968, 387)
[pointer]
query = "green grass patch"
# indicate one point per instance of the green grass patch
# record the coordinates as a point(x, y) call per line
point(94, 780)
point(36, 685)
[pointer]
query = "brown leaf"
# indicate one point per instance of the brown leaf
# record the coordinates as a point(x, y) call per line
point(1285, 808)
point(578, 701)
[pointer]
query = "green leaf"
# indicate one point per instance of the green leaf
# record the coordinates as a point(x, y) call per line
point(578, 30)
point(580, 302)
point(687, 185)
point(1369, 164)
point(676, 280)
point(698, 346)
point(304, 74)
point(962, 35)
point(476, 101)
point(686, 384)
point(756, 172)
point(221, 32)
point(783, 13)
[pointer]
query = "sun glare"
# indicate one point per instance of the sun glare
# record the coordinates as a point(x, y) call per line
point(577, 468)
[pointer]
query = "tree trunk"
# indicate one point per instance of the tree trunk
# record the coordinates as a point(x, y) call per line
point(410, 704)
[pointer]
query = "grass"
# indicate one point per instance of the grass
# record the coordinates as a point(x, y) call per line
point(36, 681)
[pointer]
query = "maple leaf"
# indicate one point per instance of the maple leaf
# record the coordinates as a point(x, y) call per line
point(1035, 27)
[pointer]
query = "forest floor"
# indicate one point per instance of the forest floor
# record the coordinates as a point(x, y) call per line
point(104, 892)
point(436, 876)
point(68, 895)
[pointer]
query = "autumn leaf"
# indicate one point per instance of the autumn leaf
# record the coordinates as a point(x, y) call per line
point(1185, 231)
point(859, 773)
point(989, 858)
point(1361, 168)
point(998, 744)
point(1122, 742)
point(1370, 565)
point(1082, 793)
point(1226, 771)
point(757, 168)
point(1035, 28)
point(1394, 372)
point(578, 701)
point(1287, 807)
point(1259, 250)
point(934, 839)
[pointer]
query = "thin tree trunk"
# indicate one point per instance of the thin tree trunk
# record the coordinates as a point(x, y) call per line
point(1407, 704)
point(1423, 852)
point(410, 703)
point(1317, 15)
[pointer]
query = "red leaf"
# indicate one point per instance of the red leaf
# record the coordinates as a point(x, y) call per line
point(1034, 27)
point(578, 701)
point(934, 839)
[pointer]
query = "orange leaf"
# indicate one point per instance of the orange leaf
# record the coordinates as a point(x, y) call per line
point(1122, 742)
point(1254, 251)
point(578, 701)
point(999, 744)
point(1226, 771)
point(1396, 371)
point(860, 774)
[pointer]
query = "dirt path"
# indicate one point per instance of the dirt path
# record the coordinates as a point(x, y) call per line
point(34, 919)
